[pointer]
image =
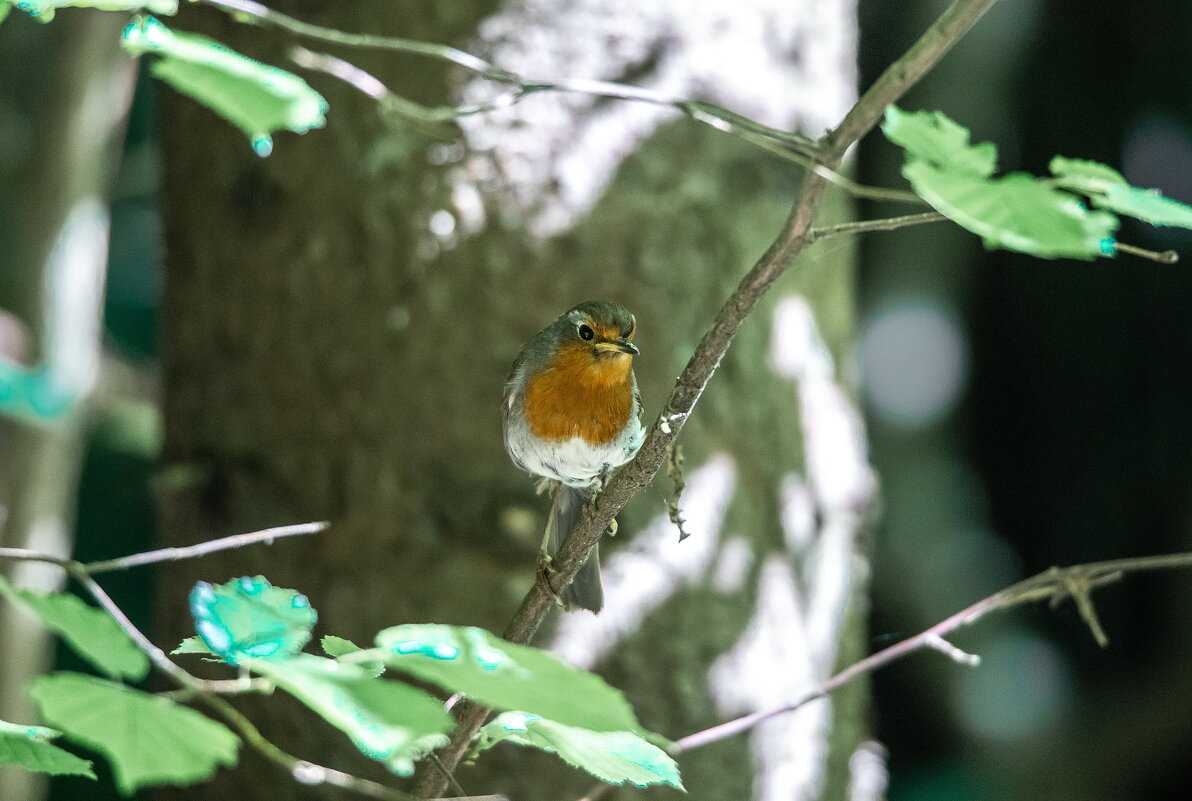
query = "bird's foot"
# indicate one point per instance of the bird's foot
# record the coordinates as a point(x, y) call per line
point(546, 571)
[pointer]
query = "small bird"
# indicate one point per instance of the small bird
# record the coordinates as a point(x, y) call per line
point(571, 413)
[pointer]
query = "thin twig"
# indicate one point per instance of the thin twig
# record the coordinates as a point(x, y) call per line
point(1160, 256)
point(347, 72)
point(788, 146)
point(203, 548)
point(79, 573)
point(300, 770)
point(366, 40)
point(451, 780)
point(1052, 585)
point(790, 242)
point(866, 226)
point(674, 471)
point(789, 143)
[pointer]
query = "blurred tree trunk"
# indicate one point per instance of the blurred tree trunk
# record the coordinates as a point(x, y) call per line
point(62, 116)
point(339, 318)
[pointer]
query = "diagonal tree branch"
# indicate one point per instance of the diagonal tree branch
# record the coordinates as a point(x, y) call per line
point(790, 242)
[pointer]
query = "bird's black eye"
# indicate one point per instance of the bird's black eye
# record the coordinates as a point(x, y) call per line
point(586, 332)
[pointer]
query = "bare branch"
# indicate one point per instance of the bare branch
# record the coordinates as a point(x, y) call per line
point(949, 650)
point(866, 226)
point(365, 40)
point(908, 70)
point(266, 536)
point(1052, 585)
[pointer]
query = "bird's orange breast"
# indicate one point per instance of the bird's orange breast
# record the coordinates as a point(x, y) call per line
point(578, 396)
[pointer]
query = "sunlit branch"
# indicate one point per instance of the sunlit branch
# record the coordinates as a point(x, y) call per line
point(791, 147)
point(790, 144)
point(266, 536)
point(366, 40)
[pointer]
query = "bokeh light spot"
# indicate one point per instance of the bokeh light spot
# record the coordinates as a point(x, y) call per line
point(914, 362)
point(1021, 689)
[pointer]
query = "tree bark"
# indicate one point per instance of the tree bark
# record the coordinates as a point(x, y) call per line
point(339, 318)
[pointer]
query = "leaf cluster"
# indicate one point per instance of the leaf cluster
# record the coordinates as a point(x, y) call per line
point(261, 630)
point(1072, 214)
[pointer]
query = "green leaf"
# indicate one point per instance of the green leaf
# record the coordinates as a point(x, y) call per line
point(192, 645)
point(1148, 205)
point(1016, 212)
point(90, 632)
point(1106, 188)
point(388, 721)
point(249, 618)
point(616, 757)
point(932, 137)
point(1081, 170)
point(4, 9)
point(504, 675)
point(149, 740)
point(336, 647)
point(256, 98)
point(29, 747)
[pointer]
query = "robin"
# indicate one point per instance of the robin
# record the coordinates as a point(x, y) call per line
point(571, 413)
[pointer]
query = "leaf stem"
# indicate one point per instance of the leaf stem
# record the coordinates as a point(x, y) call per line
point(1162, 257)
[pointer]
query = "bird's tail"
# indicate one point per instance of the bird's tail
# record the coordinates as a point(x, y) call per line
point(584, 591)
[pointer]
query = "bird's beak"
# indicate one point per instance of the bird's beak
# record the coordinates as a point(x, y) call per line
point(618, 346)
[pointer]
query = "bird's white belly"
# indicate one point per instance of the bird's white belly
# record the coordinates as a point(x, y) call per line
point(574, 461)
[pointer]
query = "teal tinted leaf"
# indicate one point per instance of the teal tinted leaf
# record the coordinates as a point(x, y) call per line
point(388, 721)
point(1016, 212)
point(256, 98)
point(44, 9)
point(192, 645)
point(90, 632)
point(616, 757)
point(149, 740)
point(249, 618)
point(932, 137)
point(337, 646)
point(1106, 188)
point(29, 747)
point(1148, 205)
point(35, 395)
point(504, 675)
